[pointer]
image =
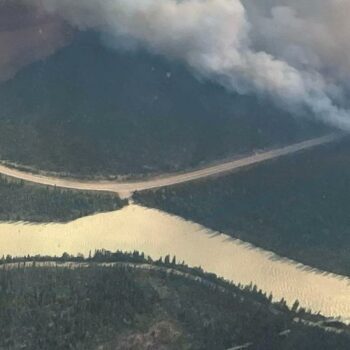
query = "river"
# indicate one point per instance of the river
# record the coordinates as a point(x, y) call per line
point(157, 234)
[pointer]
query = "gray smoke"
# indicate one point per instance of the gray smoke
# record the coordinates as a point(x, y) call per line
point(297, 54)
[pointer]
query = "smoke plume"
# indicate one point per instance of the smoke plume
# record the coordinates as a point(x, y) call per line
point(296, 54)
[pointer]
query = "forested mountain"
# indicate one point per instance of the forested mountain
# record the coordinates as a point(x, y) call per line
point(92, 110)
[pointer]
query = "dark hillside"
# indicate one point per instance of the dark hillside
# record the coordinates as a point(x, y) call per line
point(89, 110)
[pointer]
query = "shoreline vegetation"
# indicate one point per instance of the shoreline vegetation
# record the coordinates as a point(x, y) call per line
point(112, 306)
point(295, 207)
point(21, 201)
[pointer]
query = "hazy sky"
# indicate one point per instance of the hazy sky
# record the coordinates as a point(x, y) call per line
point(296, 54)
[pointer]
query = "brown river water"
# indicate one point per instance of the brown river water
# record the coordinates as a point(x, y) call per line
point(157, 234)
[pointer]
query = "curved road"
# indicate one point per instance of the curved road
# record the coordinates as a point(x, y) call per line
point(125, 189)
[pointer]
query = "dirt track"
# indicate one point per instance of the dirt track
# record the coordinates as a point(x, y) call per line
point(125, 189)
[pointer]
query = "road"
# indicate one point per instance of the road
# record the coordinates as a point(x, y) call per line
point(125, 189)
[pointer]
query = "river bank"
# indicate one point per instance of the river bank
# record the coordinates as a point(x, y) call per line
point(158, 234)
